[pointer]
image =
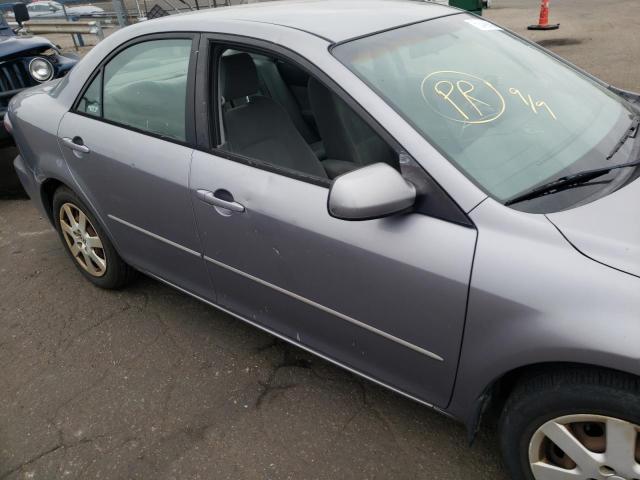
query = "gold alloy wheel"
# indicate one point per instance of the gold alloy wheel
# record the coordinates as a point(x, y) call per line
point(586, 447)
point(82, 240)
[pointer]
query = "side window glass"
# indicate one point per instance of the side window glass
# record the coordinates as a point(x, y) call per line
point(91, 101)
point(145, 87)
point(275, 112)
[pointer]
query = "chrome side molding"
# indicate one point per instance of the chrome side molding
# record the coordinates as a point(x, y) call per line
point(290, 294)
point(301, 346)
point(342, 316)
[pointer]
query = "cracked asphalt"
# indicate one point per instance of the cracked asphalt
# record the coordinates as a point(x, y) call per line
point(148, 383)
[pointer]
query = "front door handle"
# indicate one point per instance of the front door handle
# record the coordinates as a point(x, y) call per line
point(216, 200)
point(76, 144)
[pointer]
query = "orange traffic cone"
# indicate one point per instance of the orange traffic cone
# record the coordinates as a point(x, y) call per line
point(543, 23)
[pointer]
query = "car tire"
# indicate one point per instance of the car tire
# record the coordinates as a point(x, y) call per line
point(87, 244)
point(571, 404)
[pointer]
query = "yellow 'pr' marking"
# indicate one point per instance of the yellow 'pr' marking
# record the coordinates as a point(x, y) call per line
point(447, 96)
point(465, 93)
point(462, 85)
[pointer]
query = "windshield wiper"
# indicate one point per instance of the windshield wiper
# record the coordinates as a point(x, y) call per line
point(567, 182)
point(631, 132)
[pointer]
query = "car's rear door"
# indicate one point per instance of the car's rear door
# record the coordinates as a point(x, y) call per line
point(127, 142)
point(384, 297)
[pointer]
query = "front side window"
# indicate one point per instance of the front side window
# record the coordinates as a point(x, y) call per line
point(273, 111)
point(144, 87)
point(508, 115)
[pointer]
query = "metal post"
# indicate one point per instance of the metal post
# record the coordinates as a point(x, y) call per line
point(139, 11)
point(99, 31)
point(121, 12)
point(172, 6)
point(66, 17)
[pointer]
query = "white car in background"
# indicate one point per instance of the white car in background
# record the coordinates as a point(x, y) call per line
point(49, 9)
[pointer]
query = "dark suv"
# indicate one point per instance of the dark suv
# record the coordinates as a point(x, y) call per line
point(26, 61)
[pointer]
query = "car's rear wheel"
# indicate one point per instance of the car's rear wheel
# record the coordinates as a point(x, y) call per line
point(87, 244)
point(573, 424)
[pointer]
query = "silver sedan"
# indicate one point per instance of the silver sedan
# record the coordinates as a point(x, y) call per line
point(406, 190)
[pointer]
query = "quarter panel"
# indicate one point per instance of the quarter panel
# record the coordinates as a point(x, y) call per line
point(35, 135)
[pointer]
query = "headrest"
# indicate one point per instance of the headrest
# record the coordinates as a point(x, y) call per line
point(239, 76)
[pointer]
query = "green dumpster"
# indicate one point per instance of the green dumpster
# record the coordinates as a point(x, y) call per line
point(474, 6)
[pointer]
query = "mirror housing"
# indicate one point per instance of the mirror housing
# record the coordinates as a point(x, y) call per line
point(21, 13)
point(373, 191)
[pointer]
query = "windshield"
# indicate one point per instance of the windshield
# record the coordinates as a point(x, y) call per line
point(510, 116)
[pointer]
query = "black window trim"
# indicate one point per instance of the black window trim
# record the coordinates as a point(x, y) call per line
point(208, 131)
point(221, 42)
point(190, 129)
point(207, 115)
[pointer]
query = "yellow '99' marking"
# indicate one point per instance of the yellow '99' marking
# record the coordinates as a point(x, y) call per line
point(529, 102)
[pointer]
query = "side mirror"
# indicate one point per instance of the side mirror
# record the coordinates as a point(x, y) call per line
point(373, 191)
point(21, 13)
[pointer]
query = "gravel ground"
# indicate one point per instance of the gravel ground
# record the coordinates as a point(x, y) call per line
point(148, 383)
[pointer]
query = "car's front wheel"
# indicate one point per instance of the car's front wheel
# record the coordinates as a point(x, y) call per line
point(87, 243)
point(573, 424)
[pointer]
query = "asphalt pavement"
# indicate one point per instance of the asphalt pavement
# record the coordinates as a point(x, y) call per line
point(148, 383)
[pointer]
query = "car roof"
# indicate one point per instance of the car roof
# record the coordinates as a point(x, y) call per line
point(333, 20)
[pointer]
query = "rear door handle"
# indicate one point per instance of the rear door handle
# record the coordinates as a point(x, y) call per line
point(215, 200)
point(75, 144)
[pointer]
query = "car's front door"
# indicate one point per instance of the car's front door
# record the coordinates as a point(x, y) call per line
point(385, 297)
point(127, 143)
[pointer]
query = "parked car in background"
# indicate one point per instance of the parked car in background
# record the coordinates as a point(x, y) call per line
point(408, 191)
point(26, 61)
point(48, 9)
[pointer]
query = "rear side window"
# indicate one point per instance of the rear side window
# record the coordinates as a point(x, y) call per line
point(144, 87)
point(91, 101)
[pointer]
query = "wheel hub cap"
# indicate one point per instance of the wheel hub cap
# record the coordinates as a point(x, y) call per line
point(82, 240)
point(586, 447)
